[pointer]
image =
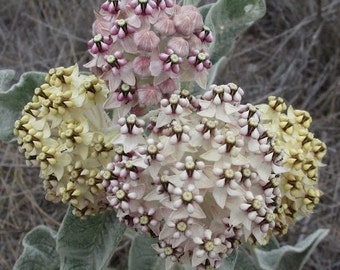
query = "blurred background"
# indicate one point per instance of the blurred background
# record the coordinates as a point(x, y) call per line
point(292, 52)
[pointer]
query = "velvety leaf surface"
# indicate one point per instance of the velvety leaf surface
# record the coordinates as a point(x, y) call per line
point(272, 244)
point(39, 251)
point(228, 19)
point(142, 256)
point(205, 9)
point(190, 2)
point(229, 262)
point(290, 257)
point(89, 243)
point(13, 99)
point(244, 260)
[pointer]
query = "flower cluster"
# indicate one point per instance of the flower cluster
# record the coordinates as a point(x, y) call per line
point(65, 131)
point(212, 173)
point(302, 154)
point(203, 174)
point(143, 49)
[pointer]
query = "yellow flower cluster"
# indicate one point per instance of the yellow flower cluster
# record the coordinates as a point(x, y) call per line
point(65, 131)
point(301, 158)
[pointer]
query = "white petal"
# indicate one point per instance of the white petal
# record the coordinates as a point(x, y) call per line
point(177, 203)
point(220, 196)
point(252, 215)
point(211, 155)
point(197, 240)
point(208, 234)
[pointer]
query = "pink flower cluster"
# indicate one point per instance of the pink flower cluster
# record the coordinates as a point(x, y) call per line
point(144, 48)
point(204, 180)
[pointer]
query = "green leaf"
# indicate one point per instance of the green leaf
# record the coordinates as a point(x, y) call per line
point(179, 266)
point(205, 9)
point(6, 77)
point(142, 256)
point(88, 243)
point(76, 264)
point(216, 70)
point(190, 2)
point(13, 101)
point(229, 262)
point(272, 244)
point(39, 250)
point(228, 19)
point(290, 257)
point(244, 260)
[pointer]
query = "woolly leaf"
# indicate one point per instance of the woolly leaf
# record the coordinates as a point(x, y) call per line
point(190, 2)
point(290, 257)
point(205, 9)
point(244, 260)
point(182, 267)
point(230, 262)
point(142, 256)
point(272, 244)
point(88, 243)
point(217, 71)
point(13, 100)
point(39, 250)
point(228, 19)
point(6, 77)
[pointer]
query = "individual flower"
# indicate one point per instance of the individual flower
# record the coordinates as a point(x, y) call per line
point(170, 254)
point(208, 248)
point(111, 6)
point(131, 132)
point(99, 44)
point(143, 7)
point(205, 34)
point(117, 70)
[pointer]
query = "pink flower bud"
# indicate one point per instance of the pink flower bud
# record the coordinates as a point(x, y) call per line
point(179, 45)
point(141, 65)
point(146, 40)
point(165, 26)
point(188, 20)
point(169, 86)
point(148, 95)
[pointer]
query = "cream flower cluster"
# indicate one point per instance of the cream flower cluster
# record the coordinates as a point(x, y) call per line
point(65, 131)
point(144, 48)
point(301, 156)
point(211, 173)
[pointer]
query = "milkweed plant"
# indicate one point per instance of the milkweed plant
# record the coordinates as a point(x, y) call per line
point(145, 144)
